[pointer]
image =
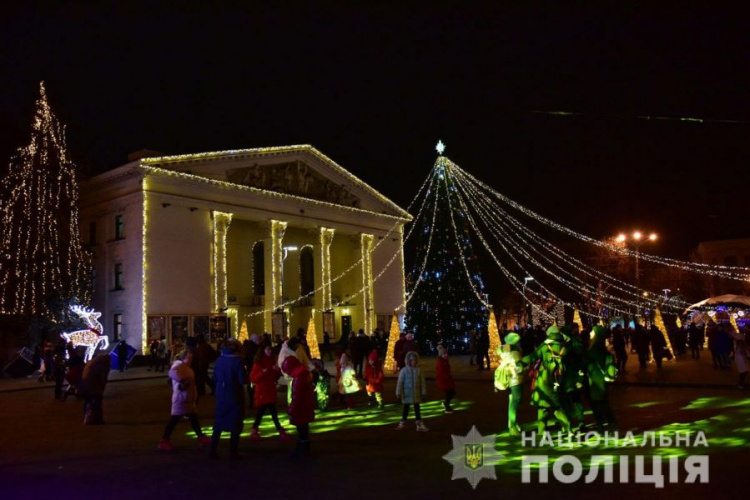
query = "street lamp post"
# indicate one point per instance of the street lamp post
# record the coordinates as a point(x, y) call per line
point(637, 238)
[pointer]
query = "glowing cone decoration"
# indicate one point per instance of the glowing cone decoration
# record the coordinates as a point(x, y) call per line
point(495, 341)
point(389, 363)
point(659, 322)
point(243, 332)
point(577, 318)
point(312, 338)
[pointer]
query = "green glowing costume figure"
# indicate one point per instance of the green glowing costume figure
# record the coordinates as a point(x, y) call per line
point(601, 371)
point(509, 376)
point(574, 378)
point(322, 381)
point(548, 391)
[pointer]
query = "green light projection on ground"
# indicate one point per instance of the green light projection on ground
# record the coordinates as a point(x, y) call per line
point(330, 421)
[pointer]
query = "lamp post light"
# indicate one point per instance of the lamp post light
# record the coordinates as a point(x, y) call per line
point(637, 237)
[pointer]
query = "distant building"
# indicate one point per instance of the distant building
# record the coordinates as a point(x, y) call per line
point(734, 252)
point(201, 243)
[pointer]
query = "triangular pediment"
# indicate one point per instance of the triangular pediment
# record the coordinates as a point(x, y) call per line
point(300, 171)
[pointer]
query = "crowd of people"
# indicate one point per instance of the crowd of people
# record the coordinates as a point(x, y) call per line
point(566, 368)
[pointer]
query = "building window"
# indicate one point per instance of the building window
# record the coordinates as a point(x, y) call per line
point(117, 330)
point(92, 233)
point(118, 276)
point(119, 227)
point(306, 272)
point(259, 270)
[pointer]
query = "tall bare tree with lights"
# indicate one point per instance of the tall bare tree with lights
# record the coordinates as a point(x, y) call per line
point(43, 265)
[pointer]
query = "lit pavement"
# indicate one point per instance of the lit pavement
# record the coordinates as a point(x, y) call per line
point(47, 451)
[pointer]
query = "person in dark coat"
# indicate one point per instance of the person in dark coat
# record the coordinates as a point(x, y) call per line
point(641, 343)
point(229, 377)
point(694, 341)
point(399, 352)
point(250, 348)
point(91, 388)
point(444, 378)
point(621, 350)
point(601, 371)
point(122, 355)
point(327, 346)
point(658, 345)
point(360, 346)
point(302, 407)
point(202, 358)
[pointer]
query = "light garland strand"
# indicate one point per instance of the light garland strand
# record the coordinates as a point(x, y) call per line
point(743, 273)
point(582, 289)
point(567, 258)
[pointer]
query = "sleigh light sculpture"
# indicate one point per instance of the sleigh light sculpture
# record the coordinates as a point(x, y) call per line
point(93, 337)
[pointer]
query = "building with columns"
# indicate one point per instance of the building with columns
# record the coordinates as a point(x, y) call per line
point(255, 240)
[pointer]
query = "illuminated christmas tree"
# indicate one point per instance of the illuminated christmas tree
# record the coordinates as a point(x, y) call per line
point(495, 340)
point(389, 364)
point(312, 339)
point(445, 284)
point(43, 261)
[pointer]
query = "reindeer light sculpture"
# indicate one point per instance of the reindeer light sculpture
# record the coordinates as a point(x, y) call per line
point(93, 338)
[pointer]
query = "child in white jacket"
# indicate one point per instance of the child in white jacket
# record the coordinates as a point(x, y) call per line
point(411, 388)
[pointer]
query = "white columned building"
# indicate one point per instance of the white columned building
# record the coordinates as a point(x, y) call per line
point(202, 243)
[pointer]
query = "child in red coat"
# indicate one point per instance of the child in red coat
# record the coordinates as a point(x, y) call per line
point(374, 377)
point(264, 375)
point(302, 407)
point(444, 378)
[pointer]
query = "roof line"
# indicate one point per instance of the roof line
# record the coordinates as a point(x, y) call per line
point(278, 150)
point(265, 192)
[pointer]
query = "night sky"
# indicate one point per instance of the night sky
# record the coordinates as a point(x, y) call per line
point(374, 87)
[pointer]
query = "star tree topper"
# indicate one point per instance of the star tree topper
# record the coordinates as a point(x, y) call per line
point(440, 147)
point(473, 457)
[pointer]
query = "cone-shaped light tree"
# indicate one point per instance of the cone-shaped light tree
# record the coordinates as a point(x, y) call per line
point(312, 338)
point(389, 364)
point(659, 322)
point(495, 340)
point(445, 284)
point(43, 260)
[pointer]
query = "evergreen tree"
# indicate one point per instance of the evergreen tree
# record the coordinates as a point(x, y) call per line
point(43, 264)
point(445, 283)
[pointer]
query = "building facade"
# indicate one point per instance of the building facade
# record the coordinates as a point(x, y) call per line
point(256, 241)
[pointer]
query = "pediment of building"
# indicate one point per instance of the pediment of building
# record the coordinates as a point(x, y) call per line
point(300, 171)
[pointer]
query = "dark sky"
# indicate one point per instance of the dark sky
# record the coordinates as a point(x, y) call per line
point(375, 86)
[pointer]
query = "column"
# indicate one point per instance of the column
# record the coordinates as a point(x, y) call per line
point(368, 308)
point(323, 300)
point(222, 220)
point(273, 247)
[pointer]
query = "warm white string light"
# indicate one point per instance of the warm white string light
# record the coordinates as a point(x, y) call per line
point(730, 272)
point(427, 181)
point(492, 213)
point(40, 221)
point(480, 209)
